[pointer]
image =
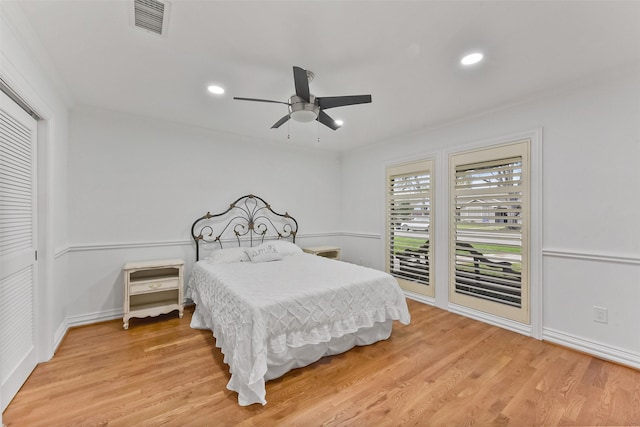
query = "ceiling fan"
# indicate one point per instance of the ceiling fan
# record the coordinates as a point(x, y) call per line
point(305, 107)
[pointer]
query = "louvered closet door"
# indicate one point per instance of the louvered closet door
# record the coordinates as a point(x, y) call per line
point(17, 247)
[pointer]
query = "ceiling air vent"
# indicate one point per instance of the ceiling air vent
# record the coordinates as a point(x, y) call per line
point(151, 15)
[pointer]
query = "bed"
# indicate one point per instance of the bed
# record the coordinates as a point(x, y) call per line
point(272, 307)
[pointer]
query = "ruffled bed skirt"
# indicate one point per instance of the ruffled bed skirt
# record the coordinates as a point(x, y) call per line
point(280, 363)
point(297, 357)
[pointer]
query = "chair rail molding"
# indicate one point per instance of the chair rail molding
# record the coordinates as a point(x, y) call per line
point(592, 256)
point(160, 243)
point(361, 235)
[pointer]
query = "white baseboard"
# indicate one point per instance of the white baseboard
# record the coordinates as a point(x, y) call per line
point(101, 316)
point(419, 297)
point(88, 319)
point(593, 348)
point(83, 319)
point(501, 322)
point(60, 334)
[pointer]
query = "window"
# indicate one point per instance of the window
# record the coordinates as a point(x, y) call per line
point(410, 224)
point(489, 218)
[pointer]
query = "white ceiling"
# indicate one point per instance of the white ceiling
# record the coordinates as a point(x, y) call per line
point(405, 54)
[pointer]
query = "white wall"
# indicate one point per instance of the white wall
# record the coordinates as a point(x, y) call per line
point(137, 184)
point(591, 183)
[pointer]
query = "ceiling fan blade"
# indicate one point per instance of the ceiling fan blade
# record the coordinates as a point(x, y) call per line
point(260, 100)
point(301, 81)
point(341, 101)
point(280, 122)
point(326, 120)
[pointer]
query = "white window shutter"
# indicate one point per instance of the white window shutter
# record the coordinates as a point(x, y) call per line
point(409, 223)
point(489, 217)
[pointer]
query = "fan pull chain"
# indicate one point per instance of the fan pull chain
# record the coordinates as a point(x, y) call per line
point(288, 129)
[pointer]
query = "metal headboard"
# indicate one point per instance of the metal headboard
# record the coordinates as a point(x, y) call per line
point(249, 218)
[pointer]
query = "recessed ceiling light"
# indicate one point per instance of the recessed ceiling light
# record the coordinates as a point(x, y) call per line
point(217, 90)
point(472, 58)
point(339, 122)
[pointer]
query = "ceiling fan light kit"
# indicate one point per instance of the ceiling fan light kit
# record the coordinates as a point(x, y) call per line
point(302, 111)
point(305, 107)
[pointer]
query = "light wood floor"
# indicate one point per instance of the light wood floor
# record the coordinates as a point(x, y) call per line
point(442, 370)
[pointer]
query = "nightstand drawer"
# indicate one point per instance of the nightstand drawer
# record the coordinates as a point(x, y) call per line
point(145, 286)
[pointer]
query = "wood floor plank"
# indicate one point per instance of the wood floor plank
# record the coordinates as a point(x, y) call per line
point(442, 370)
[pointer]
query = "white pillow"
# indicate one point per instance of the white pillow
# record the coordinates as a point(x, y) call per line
point(229, 255)
point(285, 248)
point(264, 252)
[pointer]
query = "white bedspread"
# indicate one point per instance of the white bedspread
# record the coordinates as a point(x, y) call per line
point(258, 308)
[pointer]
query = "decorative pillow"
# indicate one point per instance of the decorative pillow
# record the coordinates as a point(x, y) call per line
point(264, 252)
point(229, 255)
point(285, 248)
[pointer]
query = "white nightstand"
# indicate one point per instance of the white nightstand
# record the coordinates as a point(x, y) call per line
point(152, 288)
point(332, 252)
